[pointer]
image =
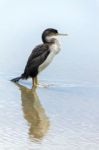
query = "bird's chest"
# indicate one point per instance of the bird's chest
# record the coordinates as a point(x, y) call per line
point(54, 49)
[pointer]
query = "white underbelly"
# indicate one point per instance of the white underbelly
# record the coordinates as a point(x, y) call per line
point(47, 61)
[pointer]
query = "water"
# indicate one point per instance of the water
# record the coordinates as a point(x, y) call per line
point(54, 117)
point(63, 116)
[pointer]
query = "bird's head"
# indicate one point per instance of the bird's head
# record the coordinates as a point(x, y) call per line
point(49, 35)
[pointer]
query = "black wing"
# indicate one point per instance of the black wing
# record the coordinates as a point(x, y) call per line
point(37, 57)
point(37, 51)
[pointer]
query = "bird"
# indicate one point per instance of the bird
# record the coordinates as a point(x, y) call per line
point(41, 56)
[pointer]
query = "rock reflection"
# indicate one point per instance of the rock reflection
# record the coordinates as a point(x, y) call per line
point(34, 113)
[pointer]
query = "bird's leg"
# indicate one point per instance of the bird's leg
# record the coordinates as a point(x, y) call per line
point(37, 83)
point(34, 83)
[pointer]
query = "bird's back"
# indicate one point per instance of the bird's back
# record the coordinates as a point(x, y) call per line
point(37, 57)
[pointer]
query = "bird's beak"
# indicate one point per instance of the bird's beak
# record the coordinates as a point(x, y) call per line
point(60, 34)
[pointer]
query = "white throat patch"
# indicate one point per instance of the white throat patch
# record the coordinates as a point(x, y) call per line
point(49, 38)
point(55, 47)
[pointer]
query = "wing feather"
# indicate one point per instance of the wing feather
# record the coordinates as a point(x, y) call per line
point(37, 51)
point(37, 57)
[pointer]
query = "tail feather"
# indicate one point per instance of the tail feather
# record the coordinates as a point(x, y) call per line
point(16, 79)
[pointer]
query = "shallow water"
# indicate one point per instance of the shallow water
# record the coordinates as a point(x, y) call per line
point(64, 116)
point(50, 118)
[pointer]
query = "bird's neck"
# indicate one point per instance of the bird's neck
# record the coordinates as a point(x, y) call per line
point(55, 46)
point(53, 43)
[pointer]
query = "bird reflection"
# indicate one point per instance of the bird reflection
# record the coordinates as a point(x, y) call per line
point(34, 113)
